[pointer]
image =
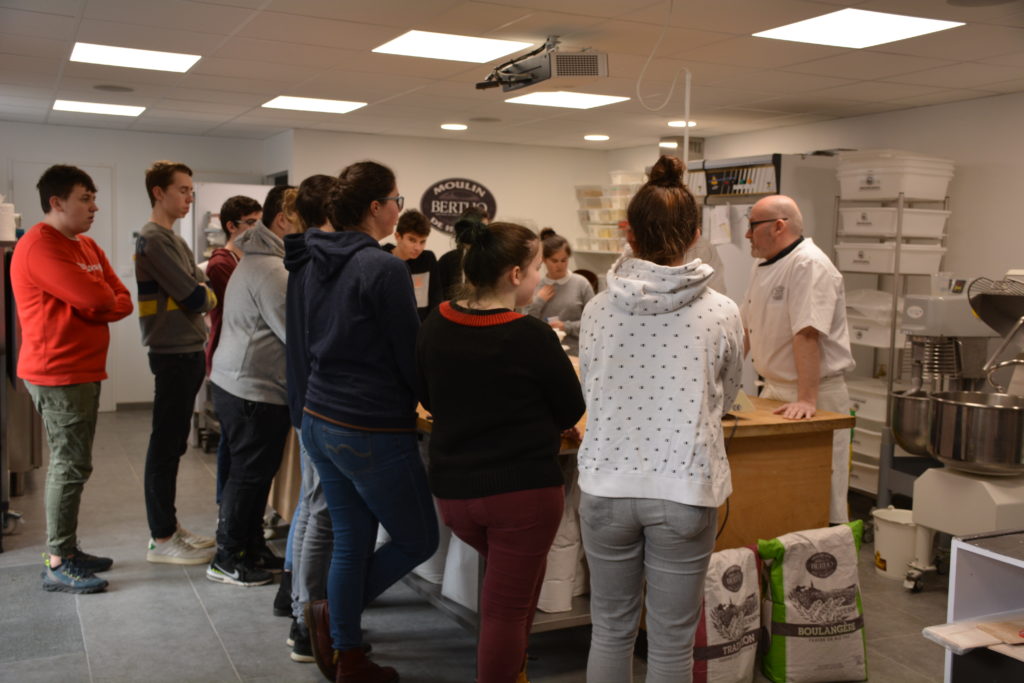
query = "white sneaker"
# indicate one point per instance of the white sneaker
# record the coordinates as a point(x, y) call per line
point(195, 540)
point(177, 551)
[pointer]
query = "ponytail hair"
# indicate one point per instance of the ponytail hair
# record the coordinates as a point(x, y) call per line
point(358, 186)
point(490, 250)
point(553, 242)
point(663, 214)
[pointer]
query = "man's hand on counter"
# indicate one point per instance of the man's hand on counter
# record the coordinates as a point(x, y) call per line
point(572, 434)
point(798, 410)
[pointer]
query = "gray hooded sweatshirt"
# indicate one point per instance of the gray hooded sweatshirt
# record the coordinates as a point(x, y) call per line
point(660, 361)
point(249, 362)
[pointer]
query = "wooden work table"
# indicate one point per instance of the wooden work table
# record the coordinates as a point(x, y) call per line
point(781, 471)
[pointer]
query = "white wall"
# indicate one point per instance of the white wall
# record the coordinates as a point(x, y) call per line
point(128, 154)
point(533, 185)
point(983, 137)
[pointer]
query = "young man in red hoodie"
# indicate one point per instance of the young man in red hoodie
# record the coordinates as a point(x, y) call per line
point(66, 293)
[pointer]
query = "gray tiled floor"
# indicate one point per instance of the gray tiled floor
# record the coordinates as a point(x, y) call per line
point(166, 623)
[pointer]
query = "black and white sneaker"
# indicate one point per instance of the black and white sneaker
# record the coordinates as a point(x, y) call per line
point(237, 572)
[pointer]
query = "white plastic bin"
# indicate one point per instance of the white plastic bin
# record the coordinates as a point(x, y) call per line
point(864, 477)
point(867, 398)
point(885, 173)
point(881, 221)
point(894, 541)
point(869, 332)
point(880, 257)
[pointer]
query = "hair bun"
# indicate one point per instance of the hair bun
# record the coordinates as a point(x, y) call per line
point(667, 172)
point(547, 232)
point(474, 233)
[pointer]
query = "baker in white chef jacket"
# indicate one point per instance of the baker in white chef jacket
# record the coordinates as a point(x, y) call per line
point(794, 315)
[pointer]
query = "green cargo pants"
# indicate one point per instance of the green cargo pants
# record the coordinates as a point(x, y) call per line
point(69, 415)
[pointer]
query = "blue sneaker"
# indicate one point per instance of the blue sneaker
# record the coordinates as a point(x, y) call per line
point(91, 563)
point(71, 578)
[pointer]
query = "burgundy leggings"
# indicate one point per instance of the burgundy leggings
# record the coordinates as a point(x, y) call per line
point(513, 532)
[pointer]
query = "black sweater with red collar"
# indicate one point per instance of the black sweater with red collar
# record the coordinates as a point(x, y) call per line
point(501, 390)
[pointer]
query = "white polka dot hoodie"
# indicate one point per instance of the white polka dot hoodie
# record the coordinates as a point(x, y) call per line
point(660, 360)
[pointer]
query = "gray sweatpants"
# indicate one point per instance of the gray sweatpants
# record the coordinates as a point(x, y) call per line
point(629, 541)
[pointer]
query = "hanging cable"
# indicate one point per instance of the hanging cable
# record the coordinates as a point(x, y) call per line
point(672, 87)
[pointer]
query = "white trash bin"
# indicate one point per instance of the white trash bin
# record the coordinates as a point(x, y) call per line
point(894, 541)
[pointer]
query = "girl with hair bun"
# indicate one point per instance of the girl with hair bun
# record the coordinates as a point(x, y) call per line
point(501, 391)
point(561, 295)
point(652, 464)
point(359, 411)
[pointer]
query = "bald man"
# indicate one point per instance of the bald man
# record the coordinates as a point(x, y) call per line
point(794, 316)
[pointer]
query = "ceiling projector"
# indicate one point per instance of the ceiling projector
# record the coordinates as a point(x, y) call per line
point(544, 63)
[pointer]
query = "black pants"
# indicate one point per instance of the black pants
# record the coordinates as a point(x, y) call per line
point(256, 433)
point(178, 378)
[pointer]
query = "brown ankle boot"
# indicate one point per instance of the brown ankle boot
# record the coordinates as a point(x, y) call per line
point(354, 667)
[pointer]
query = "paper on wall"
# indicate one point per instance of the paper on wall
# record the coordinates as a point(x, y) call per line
point(716, 224)
point(739, 215)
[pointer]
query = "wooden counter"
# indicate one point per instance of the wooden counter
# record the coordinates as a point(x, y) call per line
point(781, 471)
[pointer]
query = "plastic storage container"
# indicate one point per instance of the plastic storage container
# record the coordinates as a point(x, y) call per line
point(894, 541)
point(867, 398)
point(864, 477)
point(881, 221)
point(885, 173)
point(870, 332)
point(880, 257)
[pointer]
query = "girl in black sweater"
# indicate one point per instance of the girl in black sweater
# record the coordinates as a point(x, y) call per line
point(501, 391)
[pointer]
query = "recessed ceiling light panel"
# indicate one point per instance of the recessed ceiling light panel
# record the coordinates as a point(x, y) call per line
point(313, 104)
point(566, 99)
point(454, 126)
point(682, 124)
point(668, 144)
point(596, 138)
point(108, 55)
point(97, 108)
point(450, 46)
point(857, 28)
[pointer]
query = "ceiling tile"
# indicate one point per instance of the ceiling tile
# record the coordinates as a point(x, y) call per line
point(941, 97)
point(99, 73)
point(1007, 86)
point(1012, 59)
point(872, 91)
point(241, 68)
point(762, 53)
point(44, 67)
point(146, 37)
point(22, 114)
point(180, 126)
point(317, 31)
point(866, 65)
point(69, 8)
point(385, 12)
point(587, 8)
point(252, 86)
point(170, 14)
point(473, 19)
point(968, 43)
point(65, 118)
point(630, 37)
point(278, 52)
point(37, 48)
point(37, 24)
point(782, 82)
point(740, 16)
point(989, 11)
point(963, 75)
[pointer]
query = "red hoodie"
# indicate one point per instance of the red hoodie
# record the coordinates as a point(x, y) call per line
point(66, 292)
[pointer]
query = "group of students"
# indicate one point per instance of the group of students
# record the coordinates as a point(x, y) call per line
point(322, 331)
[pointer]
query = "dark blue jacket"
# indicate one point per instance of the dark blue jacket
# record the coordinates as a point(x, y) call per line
point(355, 331)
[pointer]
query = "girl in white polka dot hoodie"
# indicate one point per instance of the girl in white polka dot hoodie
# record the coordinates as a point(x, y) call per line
point(660, 360)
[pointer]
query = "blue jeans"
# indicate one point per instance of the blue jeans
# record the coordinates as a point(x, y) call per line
point(369, 478)
point(629, 541)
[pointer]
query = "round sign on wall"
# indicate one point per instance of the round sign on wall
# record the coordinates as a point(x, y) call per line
point(445, 200)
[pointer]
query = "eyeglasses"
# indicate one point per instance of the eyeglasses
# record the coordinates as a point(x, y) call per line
point(754, 224)
point(248, 221)
point(399, 199)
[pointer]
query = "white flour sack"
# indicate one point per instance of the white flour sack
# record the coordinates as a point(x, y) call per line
point(730, 623)
point(815, 620)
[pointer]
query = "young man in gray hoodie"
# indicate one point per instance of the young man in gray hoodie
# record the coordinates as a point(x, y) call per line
point(251, 398)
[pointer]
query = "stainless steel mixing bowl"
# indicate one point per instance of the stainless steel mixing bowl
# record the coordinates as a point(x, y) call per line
point(912, 421)
point(979, 432)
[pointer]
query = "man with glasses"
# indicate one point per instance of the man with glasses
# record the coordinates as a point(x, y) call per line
point(794, 316)
point(172, 299)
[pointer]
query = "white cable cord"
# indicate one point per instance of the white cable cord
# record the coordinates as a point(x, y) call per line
point(672, 88)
